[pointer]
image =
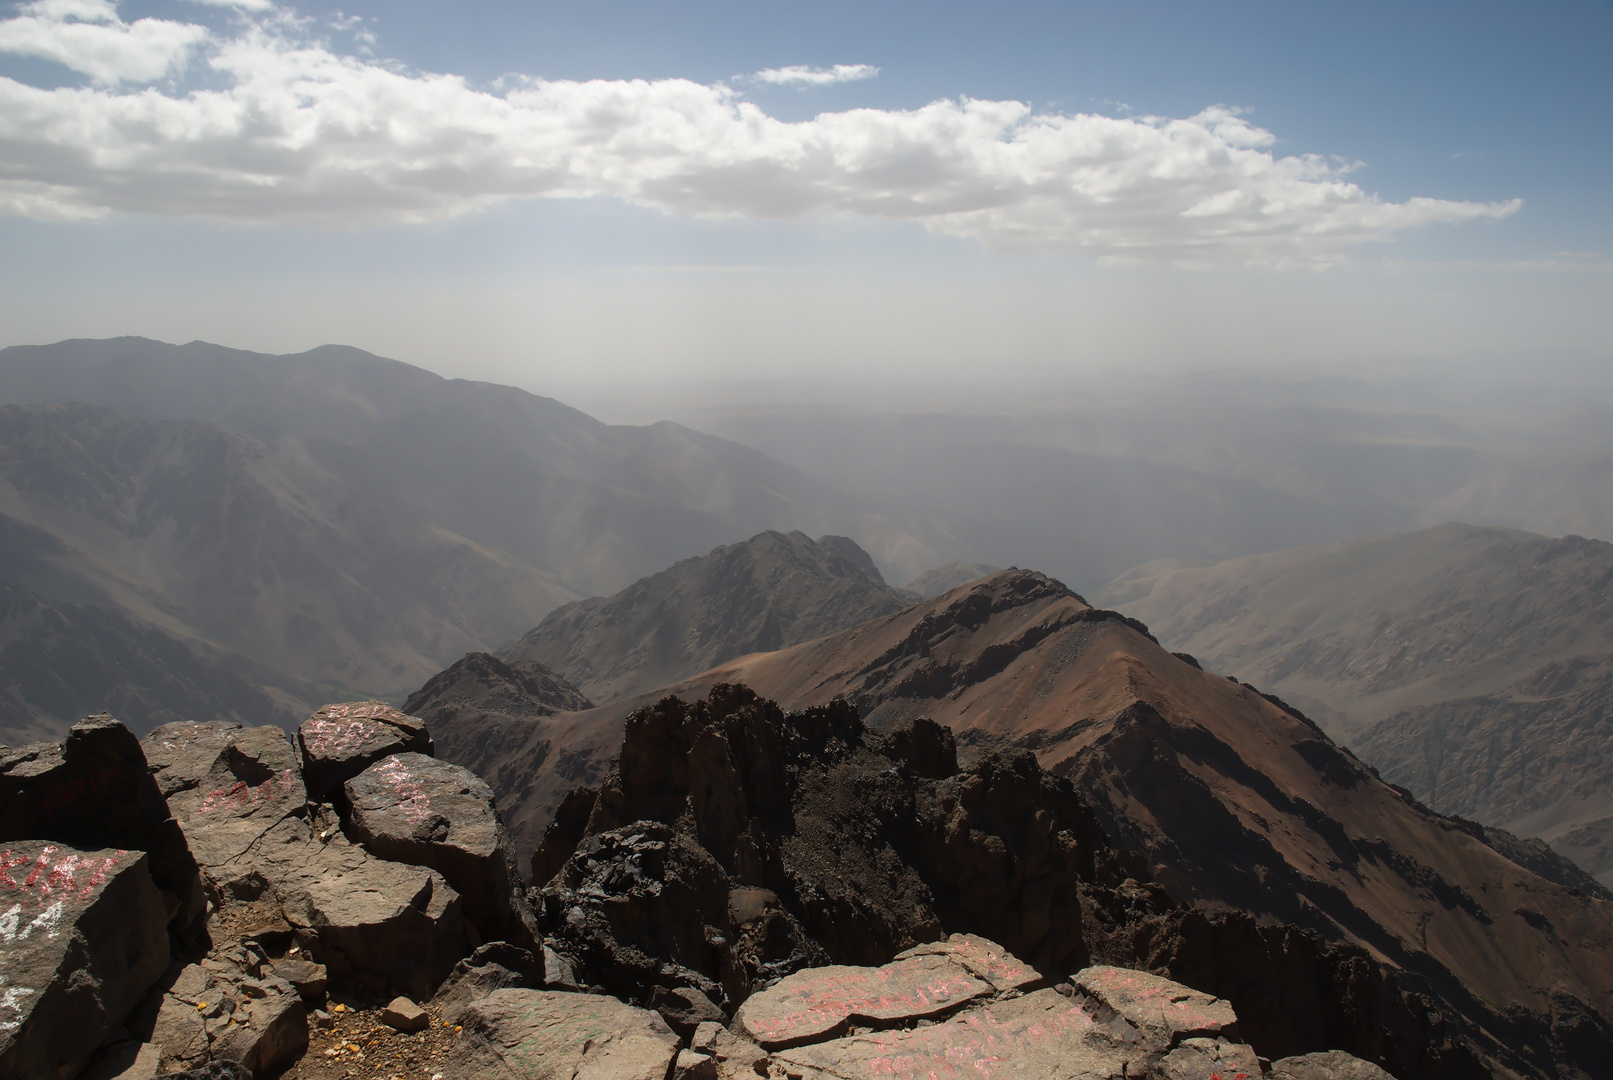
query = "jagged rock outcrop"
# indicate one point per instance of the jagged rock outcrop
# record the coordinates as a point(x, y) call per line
point(769, 844)
point(93, 791)
point(83, 934)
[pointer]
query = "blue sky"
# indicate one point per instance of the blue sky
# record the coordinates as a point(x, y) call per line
point(1179, 185)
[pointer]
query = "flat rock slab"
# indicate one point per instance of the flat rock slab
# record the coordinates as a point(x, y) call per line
point(1043, 1035)
point(1326, 1065)
point(1164, 1012)
point(549, 1035)
point(227, 785)
point(983, 959)
point(812, 1004)
point(340, 741)
point(83, 936)
point(415, 809)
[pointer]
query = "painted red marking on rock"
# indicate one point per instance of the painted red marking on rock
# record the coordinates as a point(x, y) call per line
point(412, 799)
point(240, 796)
point(46, 879)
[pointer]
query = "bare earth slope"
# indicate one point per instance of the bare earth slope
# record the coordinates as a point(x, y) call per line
point(1470, 665)
point(1235, 802)
point(771, 591)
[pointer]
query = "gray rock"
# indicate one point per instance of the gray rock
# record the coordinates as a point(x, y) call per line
point(684, 1008)
point(93, 791)
point(981, 958)
point(415, 809)
point(340, 741)
point(1197, 1058)
point(1042, 1034)
point(83, 936)
point(813, 1004)
point(309, 978)
point(1326, 1065)
point(1164, 1012)
point(735, 1056)
point(270, 1030)
point(215, 1011)
point(218, 1070)
point(546, 1035)
point(227, 786)
point(382, 924)
point(494, 966)
point(693, 1065)
point(126, 1061)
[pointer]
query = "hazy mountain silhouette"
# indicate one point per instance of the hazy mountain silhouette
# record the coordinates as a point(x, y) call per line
point(771, 591)
point(347, 524)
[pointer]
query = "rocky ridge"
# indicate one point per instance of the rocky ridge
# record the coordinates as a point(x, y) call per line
point(307, 931)
point(1234, 802)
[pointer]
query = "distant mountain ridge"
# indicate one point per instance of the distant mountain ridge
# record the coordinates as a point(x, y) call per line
point(1473, 666)
point(342, 524)
point(768, 592)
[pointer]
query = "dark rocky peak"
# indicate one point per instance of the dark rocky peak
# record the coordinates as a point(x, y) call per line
point(849, 551)
point(482, 683)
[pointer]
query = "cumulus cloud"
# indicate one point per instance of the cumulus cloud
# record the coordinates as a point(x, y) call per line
point(811, 76)
point(88, 36)
point(291, 131)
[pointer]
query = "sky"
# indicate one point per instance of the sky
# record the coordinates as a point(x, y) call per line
point(633, 195)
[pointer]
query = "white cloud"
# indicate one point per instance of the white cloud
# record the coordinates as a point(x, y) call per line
point(297, 133)
point(88, 36)
point(801, 75)
point(244, 5)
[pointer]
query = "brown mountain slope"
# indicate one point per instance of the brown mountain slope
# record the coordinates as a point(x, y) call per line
point(773, 590)
point(1470, 665)
point(1235, 802)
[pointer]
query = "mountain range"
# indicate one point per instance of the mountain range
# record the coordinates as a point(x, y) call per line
point(331, 524)
point(1234, 800)
point(1470, 665)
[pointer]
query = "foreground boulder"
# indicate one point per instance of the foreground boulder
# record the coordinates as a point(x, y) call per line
point(218, 1011)
point(83, 936)
point(550, 1035)
point(340, 741)
point(411, 808)
point(227, 786)
point(375, 924)
point(280, 867)
point(93, 790)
